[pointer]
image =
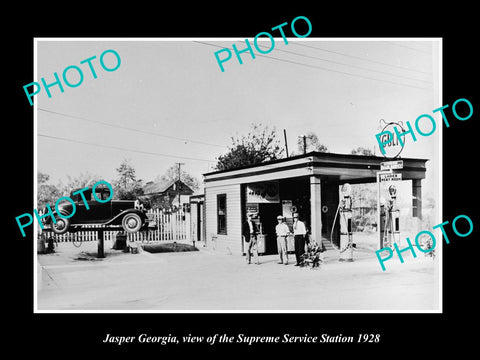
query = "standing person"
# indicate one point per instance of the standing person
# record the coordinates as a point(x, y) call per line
point(299, 235)
point(249, 232)
point(282, 230)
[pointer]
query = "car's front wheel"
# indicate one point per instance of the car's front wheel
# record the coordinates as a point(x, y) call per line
point(61, 226)
point(131, 223)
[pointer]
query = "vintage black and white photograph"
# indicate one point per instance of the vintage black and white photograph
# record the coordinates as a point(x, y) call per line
point(266, 174)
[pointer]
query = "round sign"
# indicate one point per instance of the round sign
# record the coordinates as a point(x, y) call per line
point(393, 148)
point(346, 189)
point(293, 209)
point(324, 208)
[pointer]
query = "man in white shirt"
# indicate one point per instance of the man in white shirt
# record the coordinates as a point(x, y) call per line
point(299, 235)
point(282, 230)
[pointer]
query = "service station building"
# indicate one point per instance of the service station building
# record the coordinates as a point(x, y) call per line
point(307, 184)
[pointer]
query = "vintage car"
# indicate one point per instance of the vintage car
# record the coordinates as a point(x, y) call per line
point(126, 214)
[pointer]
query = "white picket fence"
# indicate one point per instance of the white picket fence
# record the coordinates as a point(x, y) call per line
point(169, 226)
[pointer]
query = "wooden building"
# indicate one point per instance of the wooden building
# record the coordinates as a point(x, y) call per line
point(167, 194)
point(307, 184)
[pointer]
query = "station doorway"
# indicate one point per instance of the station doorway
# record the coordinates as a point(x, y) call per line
point(267, 200)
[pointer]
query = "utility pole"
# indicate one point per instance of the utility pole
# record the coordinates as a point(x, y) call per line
point(285, 137)
point(304, 137)
point(178, 187)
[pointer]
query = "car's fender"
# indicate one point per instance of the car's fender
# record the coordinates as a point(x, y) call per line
point(48, 219)
point(118, 218)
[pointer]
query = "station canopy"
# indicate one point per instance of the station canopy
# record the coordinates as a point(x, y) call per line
point(335, 167)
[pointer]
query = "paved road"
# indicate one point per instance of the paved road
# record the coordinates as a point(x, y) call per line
point(209, 281)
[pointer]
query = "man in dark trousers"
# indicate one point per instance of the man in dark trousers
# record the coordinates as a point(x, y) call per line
point(249, 232)
point(299, 236)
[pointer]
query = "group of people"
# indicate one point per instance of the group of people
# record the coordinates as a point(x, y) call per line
point(282, 230)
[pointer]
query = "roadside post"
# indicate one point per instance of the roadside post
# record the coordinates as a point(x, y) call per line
point(346, 235)
point(386, 174)
point(100, 243)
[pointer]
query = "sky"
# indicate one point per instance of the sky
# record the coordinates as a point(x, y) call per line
point(169, 102)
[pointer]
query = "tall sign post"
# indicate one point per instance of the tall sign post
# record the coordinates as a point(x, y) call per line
point(346, 240)
point(379, 215)
point(384, 176)
point(390, 151)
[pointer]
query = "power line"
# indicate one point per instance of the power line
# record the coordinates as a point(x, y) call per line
point(410, 47)
point(362, 58)
point(327, 69)
point(132, 129)
point(121, 148)
point(353, 66)
point(346, 73)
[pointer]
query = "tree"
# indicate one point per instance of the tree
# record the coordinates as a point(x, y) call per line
point(259, 145)
point(312, 144)
point(362, 151)
point(172, 175)
point(126, 186)
point(364, 202)
point(364, 195)
point(46, 193)
point(84, 179)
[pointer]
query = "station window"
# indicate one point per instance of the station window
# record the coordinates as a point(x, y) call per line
point(222, 214)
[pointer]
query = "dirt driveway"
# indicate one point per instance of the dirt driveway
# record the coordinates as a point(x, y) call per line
point(72, 279)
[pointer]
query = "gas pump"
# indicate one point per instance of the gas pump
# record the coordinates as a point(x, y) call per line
point(345, 209)
point(391, 232)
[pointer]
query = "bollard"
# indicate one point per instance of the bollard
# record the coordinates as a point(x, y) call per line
point(40, 244)
point(100, 253)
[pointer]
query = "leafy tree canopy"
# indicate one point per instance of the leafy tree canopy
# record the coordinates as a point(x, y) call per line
point(172, 175)
point(126, 186)
point(259, 145)
point(84, 179)
point(46, 192)
point(312, 144)
point(362, 151)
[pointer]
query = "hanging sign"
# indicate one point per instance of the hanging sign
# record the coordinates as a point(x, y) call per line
point(394, 164)
point(266, 192)
point(287, 208)
point(390, 177)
